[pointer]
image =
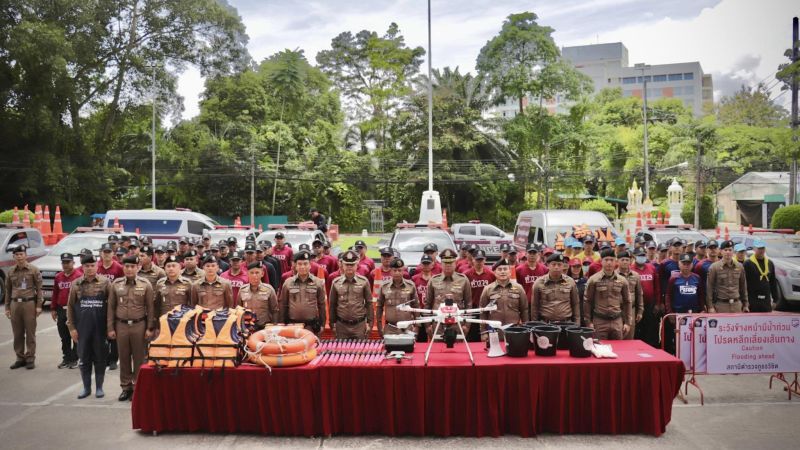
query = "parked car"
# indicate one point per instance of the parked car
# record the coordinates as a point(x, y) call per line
point(295, 234)
point(547, 226)
point(161, 225)
point(12, 236)
point(410, 240)
point(663, 233)
point(221, 232)
point(784, 252)
point(486, 236)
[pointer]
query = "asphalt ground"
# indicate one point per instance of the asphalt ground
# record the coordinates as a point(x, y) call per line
point(39, 409)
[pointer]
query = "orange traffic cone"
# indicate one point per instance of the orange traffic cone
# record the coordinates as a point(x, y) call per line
point(58, 230)
point(116, 222)
point(444, 219)
point(666, 217)
point(26, 221)
point(628, 236)
point(638, 222)
point(38, 217)
point(46, 221)
point(15, 219)
point(727, 233)
point(660, 219)
point(716, 234)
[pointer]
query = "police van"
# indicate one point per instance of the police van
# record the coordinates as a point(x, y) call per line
point(161, 225)
point(549, 226)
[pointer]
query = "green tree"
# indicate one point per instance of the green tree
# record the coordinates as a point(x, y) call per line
point(751, 106)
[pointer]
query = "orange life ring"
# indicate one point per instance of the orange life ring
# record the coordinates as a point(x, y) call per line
point(281, 340)
point(287, 360)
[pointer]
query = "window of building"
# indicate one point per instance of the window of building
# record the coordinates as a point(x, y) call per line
point(658, 78)
point(629, 80)
point(675, 77)
point(643, 79)
point(688, 76)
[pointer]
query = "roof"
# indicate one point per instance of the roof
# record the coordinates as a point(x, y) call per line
point(755, 179)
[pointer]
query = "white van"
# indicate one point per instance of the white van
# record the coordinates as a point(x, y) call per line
point(161, 225)
point(543, 225)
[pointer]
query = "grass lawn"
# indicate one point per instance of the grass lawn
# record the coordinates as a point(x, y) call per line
point(372, 243)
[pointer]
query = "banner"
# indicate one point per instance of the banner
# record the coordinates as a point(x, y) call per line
point(753, 343)
point(700, 344)
point(684, 346)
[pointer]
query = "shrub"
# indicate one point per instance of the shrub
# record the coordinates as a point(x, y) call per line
point(600, 205)
point(708, 218)
point(8, 216)
point(787, 217)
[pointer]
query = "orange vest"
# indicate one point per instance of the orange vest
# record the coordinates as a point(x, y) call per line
point(174, 345)
point(221, 342)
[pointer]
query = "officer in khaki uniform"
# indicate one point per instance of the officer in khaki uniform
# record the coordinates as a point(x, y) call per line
point(554, 297)
point(190, 269)
point(351, 301)
point(449, 282)
point(171, 291)
point(607, 301)
point(259, 297)
point(507, 294)
point(131, 318)
point(23, 299)
point(726, 285)
point(634, 289)
point(149, 270)
point(392, 294)
point(302, 298)
point(212, 291)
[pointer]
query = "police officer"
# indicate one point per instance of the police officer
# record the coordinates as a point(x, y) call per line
point(449, 282)
point(149, 270)
point(607, 302)
point(302, 298)
point(259, 297)
point(190, 270)
point(23, 298)
point(58, 304)
point(554, 297)
point(130, 321)
point(634, 289)
point(172, 290)
point(351, 301)
point(507, 294)
point(762, 286)
point(213, 291)
point(726, 286)
point(396, 292)
point(87, 316)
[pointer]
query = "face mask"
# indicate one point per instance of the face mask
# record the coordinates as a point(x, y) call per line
point(641, 260)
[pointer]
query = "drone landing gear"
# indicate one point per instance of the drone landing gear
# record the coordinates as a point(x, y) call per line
point(435, 337)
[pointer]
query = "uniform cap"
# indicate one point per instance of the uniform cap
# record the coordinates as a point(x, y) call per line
point(473, 248)
point(85, 251)
point(236, 255)
point(121, 251)
point(464, 246)
point(190, 253)
point(624, 254)
point(67, 257)
point(397, 263)
point(171, 259)
point(144, 239)
point(125, 238)
point(350, 257)
point(556, 257)
point(726, 244)
point(222, 243)
point(360, 243)
point(589, 238)
point(758, 243)
point(266, 244)
point(712, 243)
point(426, 259)
point(232, 240)
point(210, 259)
point(547, 251)
point(448, 255)
point(620, 241)
point(279, 235)
point(685, 257)
point(739, 248)
point(574, 262)
point(134, 243)
point(430, 248)
point(303, 248)
point(113, 238)
point(254, 265)
point(700, 244)
point(184, 240)
point(161, 249)
point(316, 243)
point(651, 244)
point(250, 248)
point(302, 255)
point(106, 247)
point(480, 254)
point(87, 259)
point(607, 253)
point(505, 247)
point(131, 259)
point(387, 251)
point(147, 250)
point(533, 248)
point(501, 262)
point(639, 252)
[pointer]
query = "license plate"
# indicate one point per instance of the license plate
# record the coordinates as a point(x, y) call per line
point(490, 248)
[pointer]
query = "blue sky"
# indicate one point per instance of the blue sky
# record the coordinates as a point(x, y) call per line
point(737, 41)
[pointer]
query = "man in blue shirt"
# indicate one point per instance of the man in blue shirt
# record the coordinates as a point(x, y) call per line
point(684, 295)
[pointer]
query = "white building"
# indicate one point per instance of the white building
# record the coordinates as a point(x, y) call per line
point(607, 65)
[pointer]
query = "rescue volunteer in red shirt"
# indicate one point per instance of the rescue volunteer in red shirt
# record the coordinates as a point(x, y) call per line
point(236, 275)
point(479, 277)
point(108, 267)
point(647, 328)
point(421, 278)
point(282, 252)
point(432, 250)
point(383, 273)
point(530, 270)
point(58, 304)
point(464, 260)
point(330, 263)
point(361, 249)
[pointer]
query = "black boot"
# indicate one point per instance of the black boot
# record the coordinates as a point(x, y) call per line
point(99, 376)
point(86, 376)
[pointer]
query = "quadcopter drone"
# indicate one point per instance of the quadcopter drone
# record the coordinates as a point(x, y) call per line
point(450, 317)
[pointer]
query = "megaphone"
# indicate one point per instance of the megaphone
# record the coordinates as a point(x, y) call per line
point(494, 345)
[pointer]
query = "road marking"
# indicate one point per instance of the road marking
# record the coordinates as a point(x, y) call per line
point(38, 332)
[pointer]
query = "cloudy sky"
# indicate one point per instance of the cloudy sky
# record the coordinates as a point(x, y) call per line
point(737, 41)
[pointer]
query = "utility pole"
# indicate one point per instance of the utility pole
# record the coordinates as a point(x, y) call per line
point(793, 177)
point(253, 187)
point(430, 105)
point(697, 186)
point(644, 67)
point(153, 138)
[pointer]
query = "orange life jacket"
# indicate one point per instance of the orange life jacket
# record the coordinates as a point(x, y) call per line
point(221, 343)
point(174, 345)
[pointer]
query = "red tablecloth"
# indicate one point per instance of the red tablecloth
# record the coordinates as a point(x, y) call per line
point(522, 396)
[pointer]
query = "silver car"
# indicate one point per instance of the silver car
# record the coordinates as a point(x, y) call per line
point(663, 233)
point(410, 241)
point(486, 236)
point(294, 236)
point(784, 252)
point(12, 236)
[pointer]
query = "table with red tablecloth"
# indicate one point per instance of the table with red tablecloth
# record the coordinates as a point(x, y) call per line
point(523, 396)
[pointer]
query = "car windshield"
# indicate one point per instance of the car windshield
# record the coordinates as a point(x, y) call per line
point(293, 238)
point(76, 242)
point(415, 241)
point(783, 249)
point(240, 235)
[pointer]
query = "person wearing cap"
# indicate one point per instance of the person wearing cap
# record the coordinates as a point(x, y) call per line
point(726, 287)
point(554, 296)
point(330, 263)
point(762, 286)
point(148, 270)
point(620, 245)
point(663, 254)
point(160, 255)
point(530, 270)
point(232, 243)
point(172, 290)
point(740, 253)
point(699, 251)
point(351, 301)
point(267, 249)
point(282, 252)
point(575, 271)
point(684, 295)
point(588, 252)
point(183, 246)
point(319, 220)
point(607, 301)
point(507, 295)
point(449, 283)
point(237, 277)
point(653, 307)
point(23, 299)
point(508, 253)
point(463, 262)
point(361, 249)
point(432, 250)
point(107, 267)
point(190, 271)
point(398, 291)
point(212, 291)
point(670, 266)
point(302, 297)
point(651, 251)
point(130, 321)
point(479, 277)
point(268, 274)
point(383, 273)
point(224, 252)
point(259, 297)
point(634, 289)
point(87, 316)
point(596, 266)
point(58, 303)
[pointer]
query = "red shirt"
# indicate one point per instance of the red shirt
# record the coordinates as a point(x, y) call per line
point(284, 255)
point(527, 276)
point(477, 282)
point(112, 272)
point(61, 286)
point(367, 262)
point(237, 282)
point(331, 264)
point(422, 287)
point(462, 265)
point(651, 290)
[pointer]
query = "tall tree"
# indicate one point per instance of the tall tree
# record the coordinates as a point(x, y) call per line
point(750, 106)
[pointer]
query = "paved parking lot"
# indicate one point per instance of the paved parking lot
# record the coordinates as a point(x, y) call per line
point(38, 409)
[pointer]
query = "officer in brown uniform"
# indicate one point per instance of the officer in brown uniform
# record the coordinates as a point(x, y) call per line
point(171, 291)
point(190, 269)
point(259, 297)
point(507, 294)
point(149, 270)
point(726, 286)
point(212, 291)
point(634, 289)
point(131, 318)
point(302, 298)
point(351, 301)
point(554, 297)
point(23, 298)
point(449, 282)
point(607, 301)
point(392, 294)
